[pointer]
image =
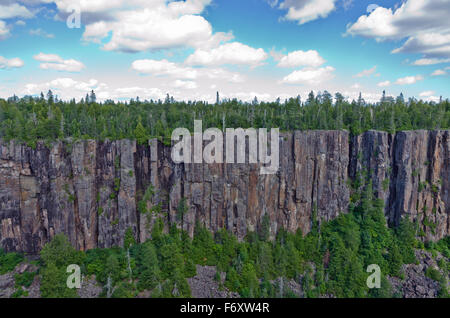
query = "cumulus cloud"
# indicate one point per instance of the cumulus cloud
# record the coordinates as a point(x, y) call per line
point(131, 92)
point(229, 53)
point(10, 63)
point(181, 72)
point(408, 80)
point(367, 73)
point(65, 86)
point(185, 84)
point(163, 68)
point(439, 73)
point(14, 10)
point(384, 84)
point(4, 30)
point(250, 96)
point(424, 23)
point(309, 58)
point(10, 10)
point(221, 74)
point(142, 25)
point(310, 76)
point(369, 97)
point(426, 94)
point(429, 96)
point(55, 62)
point(304, 11)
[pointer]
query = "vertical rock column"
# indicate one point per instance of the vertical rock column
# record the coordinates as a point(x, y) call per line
point(419, 188)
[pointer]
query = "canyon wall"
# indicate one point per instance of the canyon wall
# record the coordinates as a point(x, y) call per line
point(93, 191)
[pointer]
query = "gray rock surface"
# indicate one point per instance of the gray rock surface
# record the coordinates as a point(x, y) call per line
point(203, 285)
point(90, 190)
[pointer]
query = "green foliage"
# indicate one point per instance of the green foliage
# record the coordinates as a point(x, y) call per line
point(330, 260)
point(140, 134)
point(129, 239)
point(182, 209)
point(406, 241)
point(30, 120)
point(25, 279)
point(9, 261)
point(56, 256)
point(116, 184)
point(53, 283)
point(60, 252)
point(265, 228)
point(150, 273)
point(433, 274)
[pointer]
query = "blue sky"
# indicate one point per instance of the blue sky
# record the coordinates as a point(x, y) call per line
point(241, 48)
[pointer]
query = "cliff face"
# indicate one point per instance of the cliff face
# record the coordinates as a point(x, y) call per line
point(91, 190)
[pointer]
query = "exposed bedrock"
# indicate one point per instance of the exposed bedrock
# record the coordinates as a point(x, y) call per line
point(93, 191)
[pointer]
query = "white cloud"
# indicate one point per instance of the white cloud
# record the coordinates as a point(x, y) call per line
point(367, 72)
point(439, 73)
point(185, 84)
point(10, 63)
point(356, 86)
point(250, 96)
point(42, 33)
point(310, 76)
point(408, 80)
point(181, 72)
point(424, 23)
point(435, 99)
point(384, 84)
point(426, 94)
point(229, 53)
point(4, 30)
point(309, 58)
point(142, 25)
point(424, 61)
point(431, 44)
point(305, 11)
point(132, 92)
point(371, 7)
point(42, 57)
point(369, 97)
point(14, 10)
point(164, 68)
point(55, 62)
point(65, 87)
point(221, 74)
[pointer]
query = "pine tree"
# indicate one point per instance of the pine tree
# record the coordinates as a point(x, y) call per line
point(50, 97)
point(92, 97)
point(140, 133)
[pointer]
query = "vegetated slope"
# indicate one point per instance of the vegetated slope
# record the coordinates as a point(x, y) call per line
point(330, 261)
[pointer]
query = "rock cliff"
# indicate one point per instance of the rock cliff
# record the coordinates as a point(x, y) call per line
point(92, 190)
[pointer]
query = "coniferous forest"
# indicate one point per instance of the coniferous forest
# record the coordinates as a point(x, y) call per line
point(47, 118)
point(330, 261)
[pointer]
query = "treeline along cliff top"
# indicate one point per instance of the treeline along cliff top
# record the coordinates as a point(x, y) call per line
point(29, 119)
